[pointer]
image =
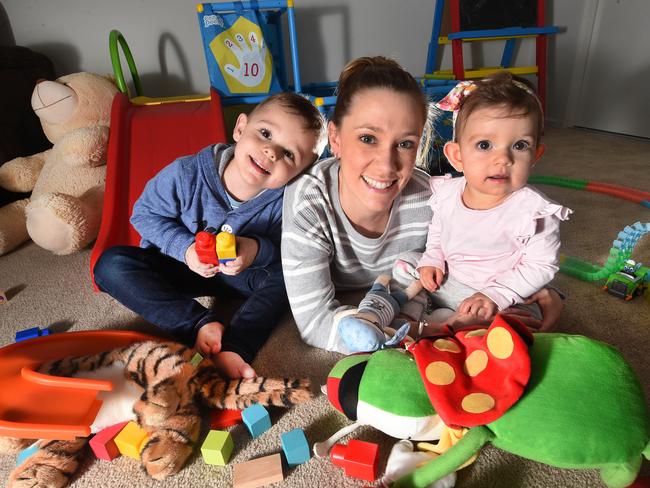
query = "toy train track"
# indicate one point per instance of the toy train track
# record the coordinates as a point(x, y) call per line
point(625, 241)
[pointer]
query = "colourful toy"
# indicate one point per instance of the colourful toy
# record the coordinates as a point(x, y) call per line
point(469, 24)
point(220, 419)
point(52, 407)
point(620, 252)
point(168, 410)
point(26, 453)
point(295, 447)
point(258, 472)
point(256, 419)
point(217, 249)
point(226, 247)
point(146, 135)
point(571, 384)
point(131, 440)
point(359, 459)
point(196, 359)
point(103, 443)
point(629, 282)
point(217, 447)
point(32, 333)
point(3, 297)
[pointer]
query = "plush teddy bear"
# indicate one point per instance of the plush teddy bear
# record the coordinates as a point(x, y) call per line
point(67, 181)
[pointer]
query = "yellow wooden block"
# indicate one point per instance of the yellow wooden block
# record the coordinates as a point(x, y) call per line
point(130, 440)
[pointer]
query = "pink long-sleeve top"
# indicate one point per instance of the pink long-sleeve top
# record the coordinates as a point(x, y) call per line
point(507, 252)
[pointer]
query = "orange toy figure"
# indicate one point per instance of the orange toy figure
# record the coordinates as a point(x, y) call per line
point(217, 249)
point(53, 407)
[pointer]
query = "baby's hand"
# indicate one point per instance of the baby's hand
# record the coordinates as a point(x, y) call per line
point(479, 305)
point(246, 252)
point(431, 277)
point(194, 263)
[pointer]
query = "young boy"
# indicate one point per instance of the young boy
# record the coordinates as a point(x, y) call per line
point(237, 188)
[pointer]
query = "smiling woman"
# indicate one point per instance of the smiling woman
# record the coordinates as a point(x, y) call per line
point(350, 218)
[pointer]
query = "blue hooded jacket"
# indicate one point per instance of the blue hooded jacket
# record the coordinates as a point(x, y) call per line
point(188, 196)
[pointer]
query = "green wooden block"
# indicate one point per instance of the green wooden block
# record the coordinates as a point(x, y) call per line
point(217, 447)
point(196, 360)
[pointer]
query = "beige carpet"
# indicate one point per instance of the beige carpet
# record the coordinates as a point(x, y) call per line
point(47, 290)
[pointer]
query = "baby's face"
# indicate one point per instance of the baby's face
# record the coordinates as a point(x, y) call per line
point(497, 151)
point(273, 147)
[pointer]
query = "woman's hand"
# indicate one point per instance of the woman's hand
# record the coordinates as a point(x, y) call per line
point(551, 304)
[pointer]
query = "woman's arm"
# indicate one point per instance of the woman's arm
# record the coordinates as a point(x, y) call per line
point(306, 252)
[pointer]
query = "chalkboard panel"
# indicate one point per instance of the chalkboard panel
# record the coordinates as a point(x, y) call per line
point(496, 14)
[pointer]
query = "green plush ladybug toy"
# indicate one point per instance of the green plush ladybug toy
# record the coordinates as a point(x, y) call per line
point(564, 400)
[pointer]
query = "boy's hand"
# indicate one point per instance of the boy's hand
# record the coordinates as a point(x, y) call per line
point(246, 253)
point(431, 277)
point(194, 263)
point(479, 305)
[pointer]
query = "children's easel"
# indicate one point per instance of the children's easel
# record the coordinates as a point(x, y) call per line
point(490, 20)
point(244, 48)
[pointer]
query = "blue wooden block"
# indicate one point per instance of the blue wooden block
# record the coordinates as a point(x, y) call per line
point(256, 419)
point(22, 335)
point(25, 453)
point(295, 447)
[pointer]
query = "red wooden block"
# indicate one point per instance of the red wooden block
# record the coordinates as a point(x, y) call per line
point(103, 444)
point(220, 419)
point(359, 459)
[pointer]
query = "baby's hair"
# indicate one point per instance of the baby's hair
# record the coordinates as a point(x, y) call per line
point(502, 89)
point(303, 108)
point(366, 73)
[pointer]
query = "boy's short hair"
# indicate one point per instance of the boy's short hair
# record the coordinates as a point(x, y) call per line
point(502, 88)
point(303, 108)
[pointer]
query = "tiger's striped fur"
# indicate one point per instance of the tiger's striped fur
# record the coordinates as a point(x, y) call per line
point(169, 408)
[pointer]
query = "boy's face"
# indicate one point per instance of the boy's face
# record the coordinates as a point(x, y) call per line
point(273, 147)
point(496, 150)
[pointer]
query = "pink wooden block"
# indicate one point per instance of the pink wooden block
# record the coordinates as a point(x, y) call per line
point(103, 444)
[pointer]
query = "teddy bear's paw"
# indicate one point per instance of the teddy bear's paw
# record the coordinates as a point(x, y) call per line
point(164, 455)
point(20, 174)
point(38, 476)
point(51, 466)
point(13, 230)
point(61, 223)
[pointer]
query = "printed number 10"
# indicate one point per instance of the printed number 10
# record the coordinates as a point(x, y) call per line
point(251, 69)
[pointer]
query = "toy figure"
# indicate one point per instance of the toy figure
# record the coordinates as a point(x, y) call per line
point(167, 406)
point(582, 406)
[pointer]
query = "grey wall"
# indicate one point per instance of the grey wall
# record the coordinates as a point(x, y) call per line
point(164, 38)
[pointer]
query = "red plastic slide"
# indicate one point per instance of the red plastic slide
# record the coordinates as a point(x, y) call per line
point(144, 139)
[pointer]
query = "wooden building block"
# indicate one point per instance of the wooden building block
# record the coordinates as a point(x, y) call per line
point(217, 447)
point(258, 472)
point(103, 443)
point(256, 419)
point(130, 440)
point(295, 447)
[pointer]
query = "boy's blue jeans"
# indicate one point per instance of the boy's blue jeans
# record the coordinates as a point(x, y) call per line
point(162, 290)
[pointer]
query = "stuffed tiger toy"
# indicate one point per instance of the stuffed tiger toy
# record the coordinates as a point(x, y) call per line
point(173, 391)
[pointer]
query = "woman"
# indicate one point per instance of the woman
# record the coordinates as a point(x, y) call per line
point(350, 217)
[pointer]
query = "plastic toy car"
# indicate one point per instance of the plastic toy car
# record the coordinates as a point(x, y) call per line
point(628, 282)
